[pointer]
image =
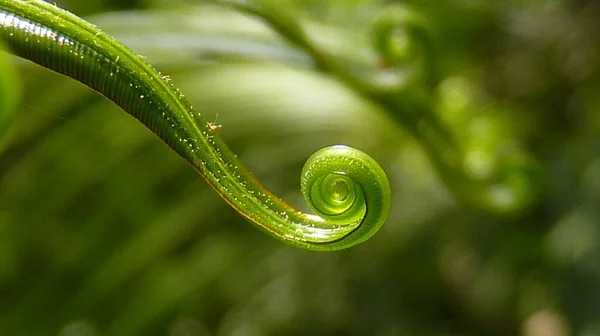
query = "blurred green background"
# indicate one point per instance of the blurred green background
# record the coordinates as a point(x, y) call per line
point(105, 231)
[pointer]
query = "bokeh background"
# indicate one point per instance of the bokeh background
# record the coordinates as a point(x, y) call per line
point(105, 231)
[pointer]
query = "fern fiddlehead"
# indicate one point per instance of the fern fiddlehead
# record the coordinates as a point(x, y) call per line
point(345, 187)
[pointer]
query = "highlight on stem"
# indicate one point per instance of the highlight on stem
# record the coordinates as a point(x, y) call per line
point(345, 187)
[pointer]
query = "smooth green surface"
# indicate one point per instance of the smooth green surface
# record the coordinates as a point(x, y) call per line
point(69, 45)
point(10, 93)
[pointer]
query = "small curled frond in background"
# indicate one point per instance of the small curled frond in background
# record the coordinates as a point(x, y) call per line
point(404, 84)
point(346, 188)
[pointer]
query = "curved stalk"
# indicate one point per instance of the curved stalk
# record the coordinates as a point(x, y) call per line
point(345, 187)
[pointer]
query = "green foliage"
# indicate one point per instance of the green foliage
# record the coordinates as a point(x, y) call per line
point(103, 230)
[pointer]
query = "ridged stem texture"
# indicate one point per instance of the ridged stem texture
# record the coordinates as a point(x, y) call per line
point(346, 188)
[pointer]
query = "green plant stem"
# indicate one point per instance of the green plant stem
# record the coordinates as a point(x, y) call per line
point(345, 187)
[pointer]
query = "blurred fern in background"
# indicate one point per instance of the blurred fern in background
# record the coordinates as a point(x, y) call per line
point(105, 231)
